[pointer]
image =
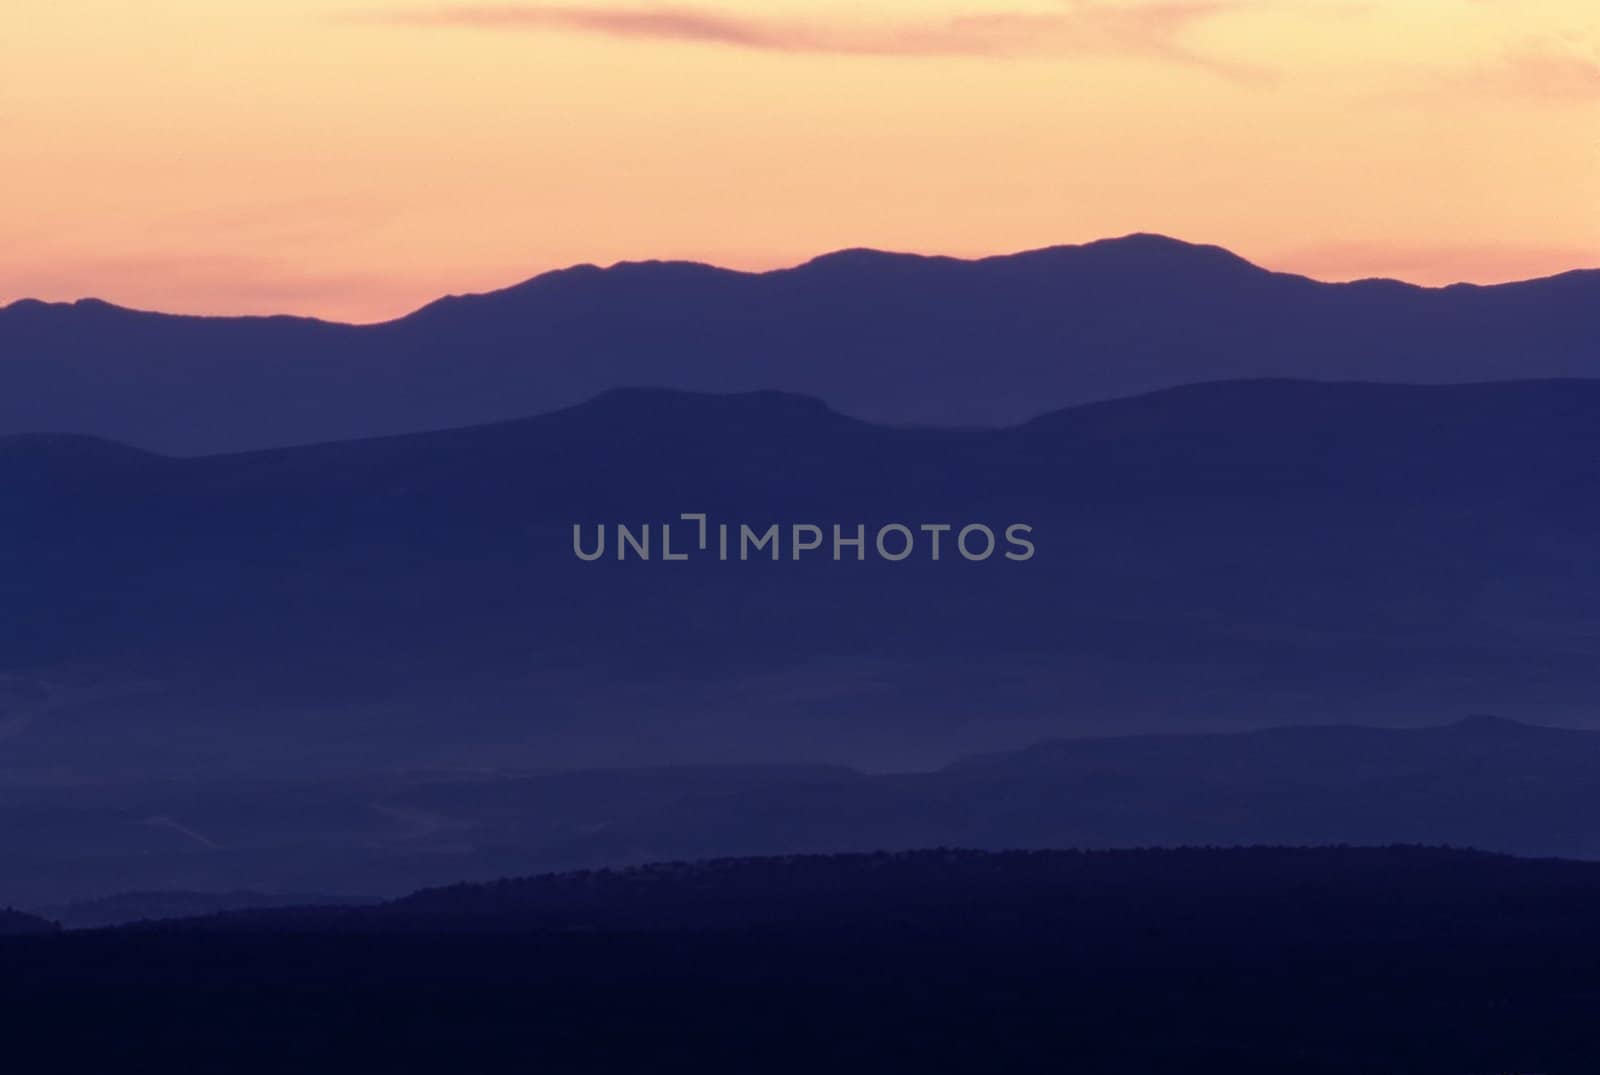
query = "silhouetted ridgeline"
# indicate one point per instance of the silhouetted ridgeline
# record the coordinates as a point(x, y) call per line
point(1074, 894)
point(15, 923)
point(129, 907)
point(1260, 961)
point(1482, 782)
point(888, 337)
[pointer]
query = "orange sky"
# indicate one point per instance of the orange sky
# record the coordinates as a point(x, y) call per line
point(354, 158)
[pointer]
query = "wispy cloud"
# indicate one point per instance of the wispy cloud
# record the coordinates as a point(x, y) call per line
point(1082, 27)
point(1545, 73)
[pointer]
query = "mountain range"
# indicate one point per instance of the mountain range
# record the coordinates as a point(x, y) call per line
point(192, 845)
point(288, 606)
point(889, 338)
point(1213, 556)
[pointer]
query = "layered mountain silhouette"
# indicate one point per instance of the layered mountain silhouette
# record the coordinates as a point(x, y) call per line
point(1481, 782)
point(890, 338)
point(1261, 552)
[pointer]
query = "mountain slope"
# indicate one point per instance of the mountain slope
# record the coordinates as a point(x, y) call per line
point(886, 337)
point(17, 924)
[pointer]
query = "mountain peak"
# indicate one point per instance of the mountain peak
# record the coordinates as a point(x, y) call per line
point(1139, 250)
point(866, 258)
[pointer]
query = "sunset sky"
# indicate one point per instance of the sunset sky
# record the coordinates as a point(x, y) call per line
point(353, 159)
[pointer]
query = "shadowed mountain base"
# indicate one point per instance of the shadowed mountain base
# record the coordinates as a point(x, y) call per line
point(1256, 961)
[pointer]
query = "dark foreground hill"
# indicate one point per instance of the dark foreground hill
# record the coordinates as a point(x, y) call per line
point(1077, 894)
point(1266, 552)
point(15, 923)
point(890, 338)
point(128, 907)
point(1253, 961)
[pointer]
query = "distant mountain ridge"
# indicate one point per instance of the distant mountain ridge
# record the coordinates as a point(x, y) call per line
point(1261, 552)
point(1482, 782)
point(892, 338)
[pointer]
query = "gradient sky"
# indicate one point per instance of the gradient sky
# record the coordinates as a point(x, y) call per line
point(354, 158)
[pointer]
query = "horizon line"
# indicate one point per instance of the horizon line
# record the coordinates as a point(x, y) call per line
point(92, 300)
